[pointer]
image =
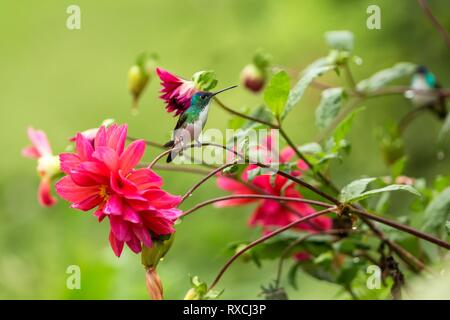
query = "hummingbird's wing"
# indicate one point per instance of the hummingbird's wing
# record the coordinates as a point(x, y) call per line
point(181, 120)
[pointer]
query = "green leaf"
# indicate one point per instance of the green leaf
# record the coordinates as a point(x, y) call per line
point(299, 89)
point(340, 40)
point(292, 276)
point(398, 167)
point(355, 189)
point(344, 127)
point(383, 77)
point(437, 212)
point(262, 59)
point(277, 92)
point(205, 80)
point(329, 107)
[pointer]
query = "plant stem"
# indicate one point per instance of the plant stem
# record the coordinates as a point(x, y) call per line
point(427, 11)
point(324, 179)
point(255, 196)
point(404, 228)
point(204, 179)
point(168, 167)
point(242, 115)
point(264, 238)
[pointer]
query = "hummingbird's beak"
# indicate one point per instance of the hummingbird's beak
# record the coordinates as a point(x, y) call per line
point(217, 92)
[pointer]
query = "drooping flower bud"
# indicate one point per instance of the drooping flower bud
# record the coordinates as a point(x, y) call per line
point(199, 291)
point(139, 75)
point(154, 285)
point(254, 75)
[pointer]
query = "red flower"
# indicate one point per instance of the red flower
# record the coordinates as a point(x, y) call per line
point(271, 213)
point(176, 92)
point(48, 164)
point(101, 175)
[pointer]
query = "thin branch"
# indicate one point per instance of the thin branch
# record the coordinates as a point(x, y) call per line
point(404, 228)
point(206, 178)
point(242, 115)
point(168, 167)
point(264, 238)
point(324, 179)
point(194, 145)
point(292, 245)
point(255, 196)
point(427, 11)
point(149, 143)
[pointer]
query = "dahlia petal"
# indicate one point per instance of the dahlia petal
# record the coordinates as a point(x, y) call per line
point(145, 178)
point(71, 192)
point(160, 199)
point(134, 244)
point(88, 203)
point(287, 154)
point(99, 214)
point(68, 162)
point(143, 235)
point(123, 186)
point(83, 147)
point(119, 227)
point(116, 136)
point(232, 185)
point(108, 156)
point(40, 142)
point(30, 152)
point(45, 197)
point(130, 215)
point(83, 179)
point(113, 205)
point(100, 138)
point(96, 168)
point(233, 202)
point(116, 245)
point(131, 156)
point(171, 214)
point(157, 223)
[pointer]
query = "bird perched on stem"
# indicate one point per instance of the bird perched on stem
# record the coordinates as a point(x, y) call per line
point(191, 122)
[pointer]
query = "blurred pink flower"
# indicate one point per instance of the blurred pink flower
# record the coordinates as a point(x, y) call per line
point(176, 92)
point(270, 213)
point(48, 164)
point(102, 175)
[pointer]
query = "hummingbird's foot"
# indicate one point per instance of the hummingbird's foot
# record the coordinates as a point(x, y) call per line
point(198, 143)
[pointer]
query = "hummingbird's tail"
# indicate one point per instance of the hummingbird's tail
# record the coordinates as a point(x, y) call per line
point(169, 144)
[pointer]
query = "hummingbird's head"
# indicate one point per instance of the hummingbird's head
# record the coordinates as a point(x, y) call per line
point(202, 98)
point(422, 70)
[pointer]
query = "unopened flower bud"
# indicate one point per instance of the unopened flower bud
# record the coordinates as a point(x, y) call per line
point(137, 80)
point(253, 78)
point(192, 294)
point(139, 75)
point(154, 285)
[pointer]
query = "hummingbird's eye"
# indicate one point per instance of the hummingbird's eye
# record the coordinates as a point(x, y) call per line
point(203, 96)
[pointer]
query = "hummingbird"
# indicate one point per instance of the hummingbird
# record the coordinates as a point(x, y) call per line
point(191, 122)
point(425, 84)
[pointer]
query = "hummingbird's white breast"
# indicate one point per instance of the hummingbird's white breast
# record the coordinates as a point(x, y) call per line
point(419, 99)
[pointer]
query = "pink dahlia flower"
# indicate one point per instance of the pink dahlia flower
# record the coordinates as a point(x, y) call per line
point(101, 174)
point(270, 213)
point(48, 164)
point(176, 92)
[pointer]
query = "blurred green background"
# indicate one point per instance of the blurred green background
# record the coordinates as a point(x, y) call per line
point(64, 80)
